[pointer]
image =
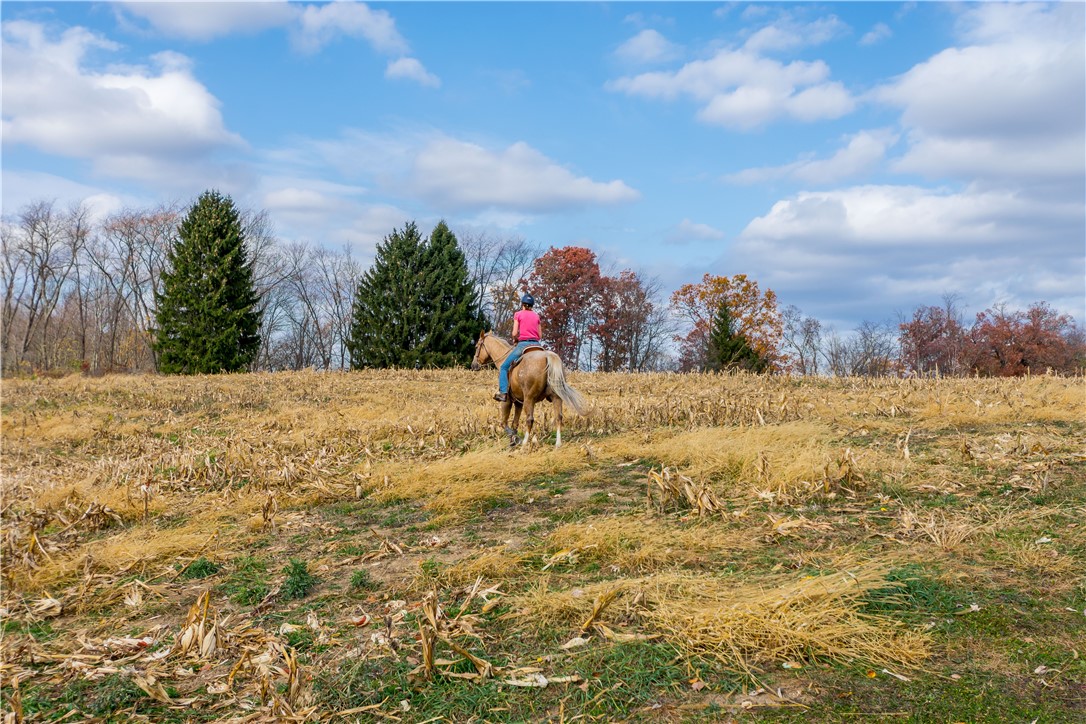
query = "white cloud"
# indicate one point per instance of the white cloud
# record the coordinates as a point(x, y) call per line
point(330, 216)
point(739, 89)
point(1000, 118)
point(877, 34)
point(686, 231)
point(646, 47)
point(411, 69)
point(321, 24)
point(1010, 105)
point(460, 175)
point(893, 247)
point(203, 21)
point(863, 152)
point(1004, 161)
point(788, 34)
point(21, 188)
point(293, 199)
point(307, 206)
point(453, 174)
point(130, 117)
point(311, 26)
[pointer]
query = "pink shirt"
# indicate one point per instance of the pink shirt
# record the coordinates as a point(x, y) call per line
point(529, 324)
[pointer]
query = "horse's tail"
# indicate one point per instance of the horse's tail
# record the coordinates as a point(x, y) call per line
point(556, 380)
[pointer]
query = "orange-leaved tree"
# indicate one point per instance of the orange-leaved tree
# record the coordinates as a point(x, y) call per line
point(754, 315)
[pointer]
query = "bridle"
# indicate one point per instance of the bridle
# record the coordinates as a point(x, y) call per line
point(481, 344)
point(475, 364)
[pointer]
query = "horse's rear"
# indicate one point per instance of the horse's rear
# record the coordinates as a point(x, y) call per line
point(540, 375)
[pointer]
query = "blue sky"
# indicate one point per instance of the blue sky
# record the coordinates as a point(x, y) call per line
point(860, 159)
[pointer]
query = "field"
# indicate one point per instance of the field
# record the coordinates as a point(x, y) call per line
point(365, 547)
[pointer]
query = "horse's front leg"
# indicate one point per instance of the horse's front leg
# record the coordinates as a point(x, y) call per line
point(512, 431)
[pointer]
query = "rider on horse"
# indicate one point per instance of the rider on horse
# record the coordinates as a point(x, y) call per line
point(526, 332)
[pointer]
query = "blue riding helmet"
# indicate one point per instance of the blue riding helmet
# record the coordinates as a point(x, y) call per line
point(528, 299)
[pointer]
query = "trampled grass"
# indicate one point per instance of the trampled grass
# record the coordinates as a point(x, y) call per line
point(289, 547)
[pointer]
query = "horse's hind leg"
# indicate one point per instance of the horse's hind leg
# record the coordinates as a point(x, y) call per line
point(529, 420)
point(557, 402)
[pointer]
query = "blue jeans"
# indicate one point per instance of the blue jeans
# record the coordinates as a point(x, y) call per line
point(513, 356)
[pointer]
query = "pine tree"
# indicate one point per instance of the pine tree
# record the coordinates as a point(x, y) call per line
point(729, 349)
point(416, 306)
point(207, 316)
point(453, 316)
point(386, 316)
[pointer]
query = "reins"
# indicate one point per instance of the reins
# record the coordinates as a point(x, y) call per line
point(496, 360)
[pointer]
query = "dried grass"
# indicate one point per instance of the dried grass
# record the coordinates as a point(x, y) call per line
point(745, 625)
point(1044, 560)
point(462, 482)
point(133, 549)
point(645, 544)
point(493, 564)
point(947, 532)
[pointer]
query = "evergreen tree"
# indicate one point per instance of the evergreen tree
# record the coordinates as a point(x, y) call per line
point(729, 349)
point(416, 306)
point(207, 314)
point(454, 317)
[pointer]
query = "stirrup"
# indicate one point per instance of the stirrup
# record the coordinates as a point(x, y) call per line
point(501, 396)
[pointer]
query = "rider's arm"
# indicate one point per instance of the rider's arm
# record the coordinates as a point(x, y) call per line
point(516, 330)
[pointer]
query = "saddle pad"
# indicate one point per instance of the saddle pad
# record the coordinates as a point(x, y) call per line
point(531, 348)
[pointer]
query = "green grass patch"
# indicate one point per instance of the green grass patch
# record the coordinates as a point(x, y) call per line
point(201, 568)
point(247, 584)
point(362, 580)
point(299, 581)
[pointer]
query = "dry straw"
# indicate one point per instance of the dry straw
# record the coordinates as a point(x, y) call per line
point(647, 544)
point(747, 625)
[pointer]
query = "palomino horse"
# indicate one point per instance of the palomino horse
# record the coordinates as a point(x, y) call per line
point(537, 376)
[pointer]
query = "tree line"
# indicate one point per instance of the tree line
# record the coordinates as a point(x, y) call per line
point(210, 288)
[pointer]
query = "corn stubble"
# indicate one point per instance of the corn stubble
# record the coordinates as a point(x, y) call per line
point(113, 487)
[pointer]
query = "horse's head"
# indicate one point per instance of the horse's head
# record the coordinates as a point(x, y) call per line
point(482, 354)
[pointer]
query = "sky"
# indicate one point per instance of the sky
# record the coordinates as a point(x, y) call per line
point(859, 159)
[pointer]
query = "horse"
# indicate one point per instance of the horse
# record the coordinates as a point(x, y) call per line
point(538, 375)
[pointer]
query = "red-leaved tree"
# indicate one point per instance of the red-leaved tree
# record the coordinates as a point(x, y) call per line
point(566, 284)
point(626, 328)
point(1007, 343)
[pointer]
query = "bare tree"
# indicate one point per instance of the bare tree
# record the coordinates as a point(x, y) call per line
point(874, 350)
point(16, 283)
point(130, 253)
point(497, 266)
point(40, 246)
point(273, 266)
point(836, 352)
point(801, 340)
point(338, 276)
